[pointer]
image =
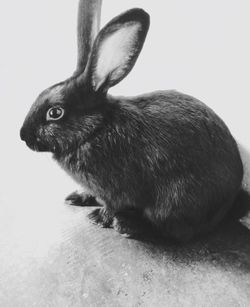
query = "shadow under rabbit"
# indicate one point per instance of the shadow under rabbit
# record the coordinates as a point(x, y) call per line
point(227, 247)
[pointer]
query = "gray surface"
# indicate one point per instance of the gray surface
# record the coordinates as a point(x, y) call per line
point(88, 266)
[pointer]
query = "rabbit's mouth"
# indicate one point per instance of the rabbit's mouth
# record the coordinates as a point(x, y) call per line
point(37, 147)
point(32, 141)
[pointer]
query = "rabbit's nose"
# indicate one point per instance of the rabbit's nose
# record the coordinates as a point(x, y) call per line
point(26, 136)
point(22, 134)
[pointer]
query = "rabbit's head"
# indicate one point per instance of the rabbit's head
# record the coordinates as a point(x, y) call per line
point(69, 112)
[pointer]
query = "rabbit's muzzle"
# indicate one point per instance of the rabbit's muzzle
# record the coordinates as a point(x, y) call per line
point(31, 140)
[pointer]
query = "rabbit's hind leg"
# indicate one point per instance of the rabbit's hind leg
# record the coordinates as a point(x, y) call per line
point(173, 228)
point(178, 230)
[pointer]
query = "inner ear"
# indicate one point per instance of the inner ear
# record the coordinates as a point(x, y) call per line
point(117, 48)
point(115, 57)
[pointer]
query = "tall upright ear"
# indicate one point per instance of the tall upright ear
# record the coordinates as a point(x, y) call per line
point(117, 48)
point(88, 26)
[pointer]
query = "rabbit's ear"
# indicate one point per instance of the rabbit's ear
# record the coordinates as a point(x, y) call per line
point(116, 49)
point(89, 14)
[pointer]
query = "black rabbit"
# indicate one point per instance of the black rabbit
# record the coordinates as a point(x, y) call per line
point(162, 159)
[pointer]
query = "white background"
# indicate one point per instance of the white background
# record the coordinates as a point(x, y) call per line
point(198, 47)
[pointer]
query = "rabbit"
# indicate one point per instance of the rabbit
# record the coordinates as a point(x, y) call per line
point(162, 161)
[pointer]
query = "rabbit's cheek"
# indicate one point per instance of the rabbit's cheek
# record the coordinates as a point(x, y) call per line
point(45, 135)
point(55, 138)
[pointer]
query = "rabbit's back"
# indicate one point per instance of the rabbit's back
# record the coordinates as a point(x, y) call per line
point(181, 128)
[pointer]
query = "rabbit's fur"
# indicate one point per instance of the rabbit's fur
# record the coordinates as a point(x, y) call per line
point(162, 160)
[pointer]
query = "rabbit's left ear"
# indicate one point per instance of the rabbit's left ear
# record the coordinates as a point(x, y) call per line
point(116, 49)
point(88, 25)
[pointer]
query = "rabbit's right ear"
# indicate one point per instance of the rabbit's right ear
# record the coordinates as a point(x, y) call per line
point(116, 49)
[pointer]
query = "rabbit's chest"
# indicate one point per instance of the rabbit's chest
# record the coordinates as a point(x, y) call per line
point(78, 171)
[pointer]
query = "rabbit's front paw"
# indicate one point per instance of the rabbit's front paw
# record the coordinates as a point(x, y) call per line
point(101, 217)
point(81, 199)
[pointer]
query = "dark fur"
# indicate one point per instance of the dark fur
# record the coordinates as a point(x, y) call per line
point(165, 155)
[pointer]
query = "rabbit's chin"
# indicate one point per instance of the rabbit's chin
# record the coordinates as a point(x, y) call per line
point(39, 147)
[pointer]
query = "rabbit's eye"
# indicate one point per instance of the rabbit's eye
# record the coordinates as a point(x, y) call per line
point(55, 113)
